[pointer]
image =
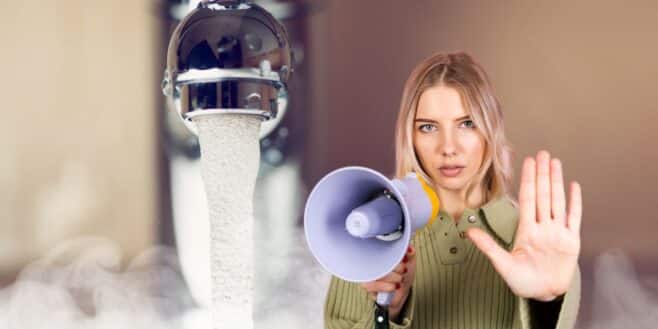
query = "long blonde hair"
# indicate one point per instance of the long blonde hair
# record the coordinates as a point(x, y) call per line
point(459, 71)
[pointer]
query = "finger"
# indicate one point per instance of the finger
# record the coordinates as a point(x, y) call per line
point(575, 208)
point(543, 187)
point(401, 268)
point(391, 277)
point(407, 257)
point(499, 257)
point(527, 208)
point(557, 192)
point(411, 251)
point(380, 286)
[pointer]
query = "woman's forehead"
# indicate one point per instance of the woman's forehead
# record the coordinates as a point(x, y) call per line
point(440, 103)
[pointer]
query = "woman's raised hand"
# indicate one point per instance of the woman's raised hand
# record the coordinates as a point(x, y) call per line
point(545, 254)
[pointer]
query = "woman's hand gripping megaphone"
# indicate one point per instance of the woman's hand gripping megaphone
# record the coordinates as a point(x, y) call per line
point(399, 281)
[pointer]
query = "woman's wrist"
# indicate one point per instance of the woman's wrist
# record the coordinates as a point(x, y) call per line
point(547, 299)
point(395, 316)
point(394, 313)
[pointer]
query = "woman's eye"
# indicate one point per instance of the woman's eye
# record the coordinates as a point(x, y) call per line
point(468, 124)
point(427, 127)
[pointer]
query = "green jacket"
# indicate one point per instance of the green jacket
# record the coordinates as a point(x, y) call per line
point(455, 284)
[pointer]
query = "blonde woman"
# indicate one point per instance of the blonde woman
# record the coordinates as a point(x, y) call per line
point(486, 261)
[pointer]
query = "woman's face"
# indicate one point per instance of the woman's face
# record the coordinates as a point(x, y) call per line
point(449, 146)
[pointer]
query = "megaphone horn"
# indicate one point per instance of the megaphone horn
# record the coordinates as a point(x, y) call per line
point(358, 223)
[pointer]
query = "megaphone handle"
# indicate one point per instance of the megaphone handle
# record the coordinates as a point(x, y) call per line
point(381, 312)
point(384, 298)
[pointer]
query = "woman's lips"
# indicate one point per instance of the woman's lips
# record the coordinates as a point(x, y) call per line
point(450, 171)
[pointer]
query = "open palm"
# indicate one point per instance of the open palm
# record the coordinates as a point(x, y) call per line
point(545, 253)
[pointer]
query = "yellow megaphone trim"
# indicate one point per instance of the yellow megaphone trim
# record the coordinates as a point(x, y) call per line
point(434, 199)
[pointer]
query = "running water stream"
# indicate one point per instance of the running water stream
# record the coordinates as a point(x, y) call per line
point(230, 156)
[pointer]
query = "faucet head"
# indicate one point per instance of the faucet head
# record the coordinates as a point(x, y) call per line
point(228, 57)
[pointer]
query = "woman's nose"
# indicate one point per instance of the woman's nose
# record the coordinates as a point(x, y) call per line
point(448, 144)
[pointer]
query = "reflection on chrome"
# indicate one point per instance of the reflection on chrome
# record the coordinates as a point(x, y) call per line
point(228, 57)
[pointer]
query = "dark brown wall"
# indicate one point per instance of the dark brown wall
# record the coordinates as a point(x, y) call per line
point(576, 79)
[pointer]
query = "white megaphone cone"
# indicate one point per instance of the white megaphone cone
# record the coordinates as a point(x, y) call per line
point(358, 223)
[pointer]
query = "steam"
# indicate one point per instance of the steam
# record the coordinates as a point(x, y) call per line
point(620, 298)
point(83, 284)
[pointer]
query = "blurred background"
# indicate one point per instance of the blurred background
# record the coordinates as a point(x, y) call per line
point(88, 147)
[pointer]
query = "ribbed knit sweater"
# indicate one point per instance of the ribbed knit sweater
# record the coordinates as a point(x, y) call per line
point(456, 286)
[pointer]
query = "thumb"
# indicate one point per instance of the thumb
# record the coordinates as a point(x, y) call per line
point(499, 257)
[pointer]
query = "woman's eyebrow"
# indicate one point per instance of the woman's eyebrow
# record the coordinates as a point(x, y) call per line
point(434, 121)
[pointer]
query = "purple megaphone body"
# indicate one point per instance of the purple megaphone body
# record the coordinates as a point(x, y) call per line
point(358, 223)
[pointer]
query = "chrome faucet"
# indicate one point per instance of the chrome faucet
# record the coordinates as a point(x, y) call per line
point(228, 57)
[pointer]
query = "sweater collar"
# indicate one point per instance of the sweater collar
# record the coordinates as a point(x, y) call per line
point(502, 216)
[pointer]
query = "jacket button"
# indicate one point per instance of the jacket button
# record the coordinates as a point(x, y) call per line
point(472, 219)
point(453, 250)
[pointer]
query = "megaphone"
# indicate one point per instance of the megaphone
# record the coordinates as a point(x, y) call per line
point(358, 223)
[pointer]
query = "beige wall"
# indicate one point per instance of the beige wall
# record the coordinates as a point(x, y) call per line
point(77, 135)
point(575, 78)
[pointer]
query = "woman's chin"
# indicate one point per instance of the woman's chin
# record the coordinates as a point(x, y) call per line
point(450, 185)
